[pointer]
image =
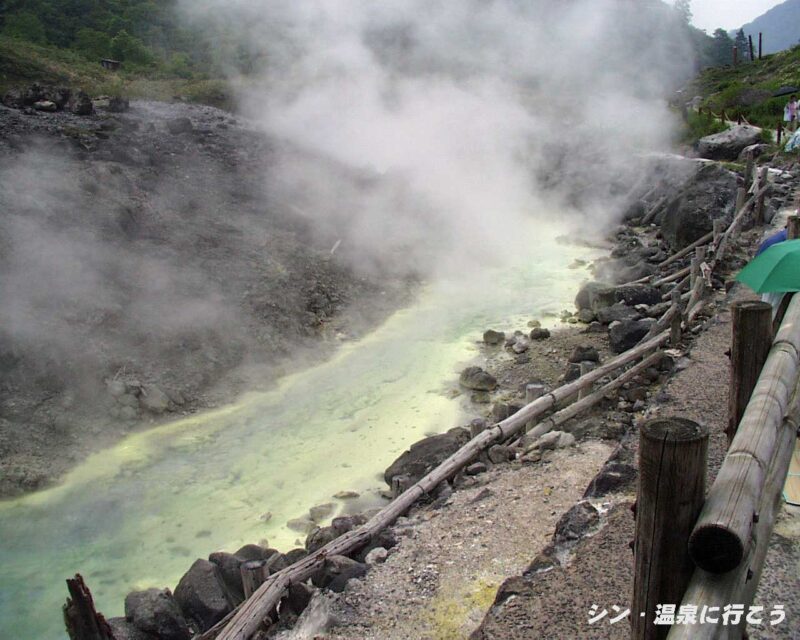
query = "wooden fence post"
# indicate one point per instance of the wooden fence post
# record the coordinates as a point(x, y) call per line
point(672, 481)
point(676, 323)
point(779, 132)
point(793, 228)
point(533, 391)
point(741, 196)
point(760, 44)
point(751, 340)
point(758, 212)
point(586, 367)
point(254, 572)
point(748, 172)
point(752, 52)
point(735, 55)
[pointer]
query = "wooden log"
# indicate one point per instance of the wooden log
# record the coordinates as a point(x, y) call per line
point(739, 586)
point(741, 195)
point(585, 367)
point(245, 621)
point(751, 341)
point(575, 409)
point(793, 227)
point(721, 248)
point(695, 296)
point(253, 572)
point(82, 620)
point(719, 229)
point(665, 321)
point(683, 284)
point(758, 210)
point(675, 276)
point(533, 392)
point(659, 206)
point(748, 172)
point(676, 323)
point(720, 538)
point(694, 271)
point(672, 478)
point(687, 250)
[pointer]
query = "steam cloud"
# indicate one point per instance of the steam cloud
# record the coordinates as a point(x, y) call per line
point(463, 118)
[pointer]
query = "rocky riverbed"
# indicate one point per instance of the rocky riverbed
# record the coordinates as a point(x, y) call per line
point(554, 513)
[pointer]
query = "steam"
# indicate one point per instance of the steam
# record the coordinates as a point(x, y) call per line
point(465, 120)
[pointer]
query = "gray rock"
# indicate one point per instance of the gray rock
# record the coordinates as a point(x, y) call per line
point(299, 596)
point(319, 537)
point(728, 144)
point(633, 294)
point(585, 315)
point(251, 552)
point(229, 567)
point(321, 511)
point(572, 372)
point(494, 338)
point(343, 524)
point(128, 413)
point(521, 345)
point(125, 630)
point(45, 105)
point(155, 611)
point(154, 399)
point(477, 379)
point(480, 397)
point(755, 150)
point(594, 296)
point(476, 468)
point(627, 334)
point(576, 523)
point(584, 353)
point(201, 595)
point(708, 195)
point(426, 454)
point(295, 555)
point(612, 477)
point(82, 105)
point(498, 454)
point(377, 556)
point(619, 312)
point(302, 525)
point(336, 572)
point(179, 125)
point(537, 333)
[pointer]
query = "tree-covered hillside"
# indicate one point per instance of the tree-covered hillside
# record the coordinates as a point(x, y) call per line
point(140, 33)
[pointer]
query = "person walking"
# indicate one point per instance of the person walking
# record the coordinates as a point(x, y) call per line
point(790, 113)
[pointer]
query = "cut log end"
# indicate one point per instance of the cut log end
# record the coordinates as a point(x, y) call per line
point(674, 430)
point(715, 549)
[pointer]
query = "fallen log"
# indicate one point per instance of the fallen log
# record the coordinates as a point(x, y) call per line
point(687, 250)
point(722, 533)
point(246, 620)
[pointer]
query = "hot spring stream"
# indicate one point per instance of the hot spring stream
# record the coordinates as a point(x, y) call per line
point(137, 515)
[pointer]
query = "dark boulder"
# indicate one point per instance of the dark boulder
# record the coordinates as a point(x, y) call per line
point(319, 537)
point(576, 523)
point(708, 195)
point(82, 104)
point(251, 552)
point(633, 294)
point(728, 144)
point(179, 125)
point(627, 334)
point(426, 454)
point(202, 596)
point(277, 562)
point(612, 477)
point(14, 99)
point(537, 333)
point(584, 353)
point(229, 567)
point(125, 630)
point(336, 572)
point(155, 611)
point(594, 296)
point(618, 312)
point(492, 337)
point(298, 597)
point(343, 524)
point(384, 539)
point(295, 555)
point(477, 379)
point(118, 104)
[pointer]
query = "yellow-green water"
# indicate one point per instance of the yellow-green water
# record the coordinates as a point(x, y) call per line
point(137, 515)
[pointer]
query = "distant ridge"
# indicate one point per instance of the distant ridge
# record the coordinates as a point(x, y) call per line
point(780, 26)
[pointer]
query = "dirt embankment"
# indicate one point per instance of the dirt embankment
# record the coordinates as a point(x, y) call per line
point(148, 267)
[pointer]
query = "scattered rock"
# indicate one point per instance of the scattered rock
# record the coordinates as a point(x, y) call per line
point(82, 105)
point(585, 315)
point(125, 630)
point(612, 477)
point(584, 353)
point(728, 144)
point(426, 454)
point(576, 523)
point(336, 572)
point(377, 556)
point(498, 454)
point(299, 596)
point(619, 312)
point(321, 511)
point(155, 611)
point(627, 334)
point(477, 379)
point(302, 525)
point(229, 567)
point(319, 537)
point(201, 595)
point(521, 345)
point(594, 296)
point(154, 399)
point(45, 105)
point(537, 333)
point(633, 294)
point(494, 338)
point(179, 125)
point(347, 495)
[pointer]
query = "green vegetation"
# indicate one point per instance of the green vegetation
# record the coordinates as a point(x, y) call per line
point(748, 88)
point(701, 125)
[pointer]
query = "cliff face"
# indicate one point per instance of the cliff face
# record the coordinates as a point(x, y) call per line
point(780, 26)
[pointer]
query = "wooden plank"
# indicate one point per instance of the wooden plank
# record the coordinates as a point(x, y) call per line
point(791, 490)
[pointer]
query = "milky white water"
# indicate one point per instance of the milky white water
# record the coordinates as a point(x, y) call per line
point(137, 515)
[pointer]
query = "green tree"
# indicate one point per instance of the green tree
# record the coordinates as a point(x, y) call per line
point(743, 46)
point(684, 9)
point(25, 26)
point(723, 47)
point(93, 44)
point(127, 48)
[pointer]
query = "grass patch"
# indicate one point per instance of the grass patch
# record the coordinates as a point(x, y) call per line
point(22, 63)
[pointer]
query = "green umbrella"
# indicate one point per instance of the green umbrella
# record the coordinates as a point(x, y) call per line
point(777, 269)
